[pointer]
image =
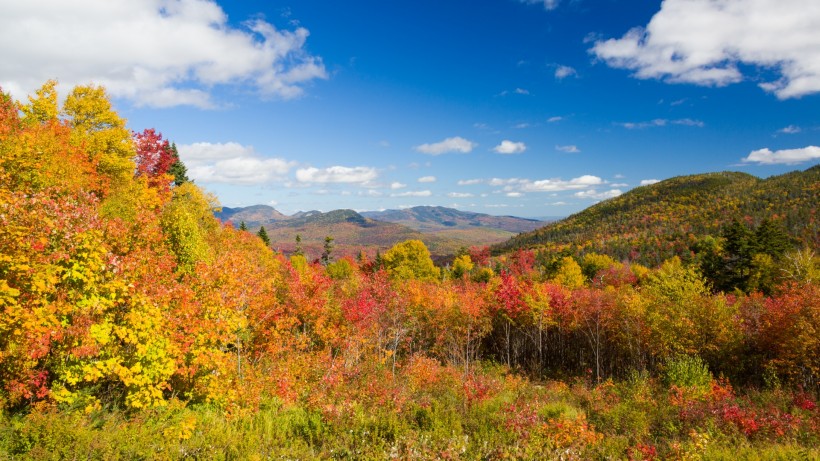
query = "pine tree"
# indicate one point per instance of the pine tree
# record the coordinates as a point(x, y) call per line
point(327, 249)
point(178, 169)
point(298, 250)
point(263, 234)
point(242, 226)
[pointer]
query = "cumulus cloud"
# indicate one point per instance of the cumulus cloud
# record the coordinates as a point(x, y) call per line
point(787, 156)
point(459, 195)
point(427, 179)
point(705, 42)
point(337, 174)
point(454, 144)
point(158, 53)
point(510, 147)
point(417, 193)
point(514, 194)
point(647, 182)
point(469, 182)
point(562, 72)
point(521, 91)
point(231, 163)
point(659, 122)
point(555, 119)
point(593, 194)
point(397, 185)
point(571, 149)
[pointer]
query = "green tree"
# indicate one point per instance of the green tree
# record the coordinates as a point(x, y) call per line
point(178, 169)
point(737, 257)
point(410, 260)
point(328, 248)
point(298, 251)
point(243, 226)
point(263, 234)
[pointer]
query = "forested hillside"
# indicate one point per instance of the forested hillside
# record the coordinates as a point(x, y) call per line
point(135, 325)
point(652, 223)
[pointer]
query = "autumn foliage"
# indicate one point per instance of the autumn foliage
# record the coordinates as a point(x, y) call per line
point(119, 291)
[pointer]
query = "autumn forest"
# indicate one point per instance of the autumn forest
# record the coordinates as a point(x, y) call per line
point(678, 321)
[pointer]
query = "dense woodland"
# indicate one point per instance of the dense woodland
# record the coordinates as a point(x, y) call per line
point(135, 325)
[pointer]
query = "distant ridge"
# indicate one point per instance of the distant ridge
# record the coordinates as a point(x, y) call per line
point(443, 230)
point(435, 218)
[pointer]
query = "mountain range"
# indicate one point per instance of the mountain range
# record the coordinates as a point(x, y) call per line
point(443, 230)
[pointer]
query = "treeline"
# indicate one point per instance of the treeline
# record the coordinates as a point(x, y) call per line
point(120, 291)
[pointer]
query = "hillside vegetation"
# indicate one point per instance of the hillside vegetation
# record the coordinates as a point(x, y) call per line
point(136, 325)
point(652, 223)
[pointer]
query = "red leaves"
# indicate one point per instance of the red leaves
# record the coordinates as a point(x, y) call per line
point(154, 156)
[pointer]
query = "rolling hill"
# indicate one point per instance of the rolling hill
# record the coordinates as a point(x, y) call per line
point(651, 223)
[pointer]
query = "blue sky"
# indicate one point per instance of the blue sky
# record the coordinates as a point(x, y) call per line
point(528, 108)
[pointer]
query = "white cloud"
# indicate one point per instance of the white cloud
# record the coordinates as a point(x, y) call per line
point(791, 129)
point(419, 193)
point(571, 149)
point(555, 119)
point(521, 91)
point(459, 195)
point(510, 147)
point(521, 126)
point(454, 144)
point(336, 174)
point(647, 182)
point(427, 179)
point(158, 53)
point(787, 156)
point(555, 184)
point(593, 194)
point(469, 182)
point(514, 194)
point(231, 163)
point(273, 203)
point(562, 72)
point(622, 184)
point(548, 4)
point(658, 122)
point(397, 185)
point(704, 42)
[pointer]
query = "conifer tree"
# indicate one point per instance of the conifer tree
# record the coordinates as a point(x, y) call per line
point(328, 248)
point(242, 226)
point(298, 250)
point(263, 234)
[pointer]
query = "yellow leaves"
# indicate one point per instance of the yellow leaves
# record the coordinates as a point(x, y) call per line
point(43, 108)
point(569, 273)
point(101, 131)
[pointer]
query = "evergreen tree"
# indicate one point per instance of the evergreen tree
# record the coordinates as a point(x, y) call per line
point(737, 256)
point(263, 234)
point(770, 238)
point(327, 249)
point(298, 250)
point(178, 169)
point(242, 226)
